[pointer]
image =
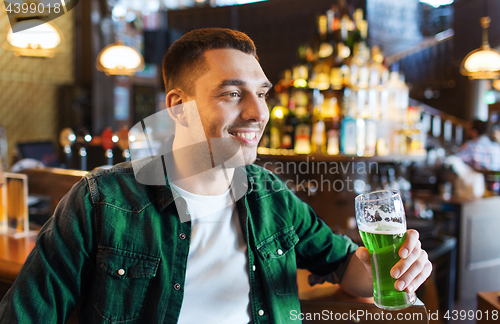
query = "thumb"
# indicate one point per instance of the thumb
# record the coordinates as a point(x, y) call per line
point(364, 256)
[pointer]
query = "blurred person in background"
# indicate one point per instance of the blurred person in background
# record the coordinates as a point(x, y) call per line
point(480, 152)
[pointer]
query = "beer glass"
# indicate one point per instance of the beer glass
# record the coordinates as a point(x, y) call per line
point(382, 224)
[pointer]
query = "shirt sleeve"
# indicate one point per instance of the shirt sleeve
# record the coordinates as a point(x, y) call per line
point(51, 281)
point(319, 250)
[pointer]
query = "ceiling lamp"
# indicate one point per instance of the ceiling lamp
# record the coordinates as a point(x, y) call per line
point(437, 3)
point(484, 62)
point(119, 59)
point(34, 37)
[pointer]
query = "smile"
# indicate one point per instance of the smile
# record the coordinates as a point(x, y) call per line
point(246, 137)
point(250, 136)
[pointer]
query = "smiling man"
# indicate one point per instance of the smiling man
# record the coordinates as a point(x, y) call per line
point(121, 252)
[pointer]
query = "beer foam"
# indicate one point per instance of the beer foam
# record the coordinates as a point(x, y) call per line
point(383, 228)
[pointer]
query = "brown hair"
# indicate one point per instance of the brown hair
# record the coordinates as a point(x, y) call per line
point(480, 126)
point(185, 57)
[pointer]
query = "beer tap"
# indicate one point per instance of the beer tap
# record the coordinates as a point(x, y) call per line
point(108, 140)
point(66, 138)
point(82, 139)
point(123, 142)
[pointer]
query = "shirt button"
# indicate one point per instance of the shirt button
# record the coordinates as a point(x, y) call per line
point(121, 272)
point(280, 252)
point(254, 267)
point(177, 286)
point(182, 236)
point(261, 313)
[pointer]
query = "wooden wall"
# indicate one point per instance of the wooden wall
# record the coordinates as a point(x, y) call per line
point(29, 88)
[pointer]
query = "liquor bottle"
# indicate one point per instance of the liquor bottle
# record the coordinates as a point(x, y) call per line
point(325, 43)
point(331, 120)
point(339, 73)
point(346, 23)
point(348, 127)
point(360, 136)
point(276, 126)
point(302, 134)
point(283, 88)
point(288, 139)
point(302, 143)
point(371, 137)
point(318, 139)
point(332, 126)
point(320, 77)
point(300, 76)
point(372, 112)
point(384, 124)
point(332, 138)
point(323, 48)
point(356, 62)
point(404, 98)
point(393, 97)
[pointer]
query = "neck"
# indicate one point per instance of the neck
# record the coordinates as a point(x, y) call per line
point(192, 170)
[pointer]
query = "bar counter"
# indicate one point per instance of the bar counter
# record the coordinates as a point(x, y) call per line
point(13, 254)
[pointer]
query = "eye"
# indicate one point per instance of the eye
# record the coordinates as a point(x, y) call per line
point(263, 95)
point(233, 94)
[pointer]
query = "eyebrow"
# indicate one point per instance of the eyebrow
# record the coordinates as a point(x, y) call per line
point(237, 82)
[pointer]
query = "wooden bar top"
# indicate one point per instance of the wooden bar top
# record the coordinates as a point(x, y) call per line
point(13, 254)
point(488, 304)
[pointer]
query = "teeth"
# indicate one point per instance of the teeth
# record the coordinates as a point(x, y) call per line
point(251, 135)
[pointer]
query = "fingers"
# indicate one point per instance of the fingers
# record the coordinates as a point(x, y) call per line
point(416, 274)
point(404, 264)
point(364, 256)
point(419, 280)
point(409, 243)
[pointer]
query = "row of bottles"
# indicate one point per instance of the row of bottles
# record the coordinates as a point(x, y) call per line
point(351, 121)
point(337, 103)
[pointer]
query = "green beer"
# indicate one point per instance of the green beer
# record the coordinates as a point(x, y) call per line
point(384, 249)
point(381, 222)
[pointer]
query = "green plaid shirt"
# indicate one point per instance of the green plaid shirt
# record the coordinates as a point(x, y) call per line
point(117, 250)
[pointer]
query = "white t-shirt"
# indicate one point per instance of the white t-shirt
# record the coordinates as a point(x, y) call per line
point(217, 287)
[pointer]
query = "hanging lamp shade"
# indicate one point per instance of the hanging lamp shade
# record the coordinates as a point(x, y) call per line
point(35, 38)
point(119, 59)
point(496, 84)
point(484, 62)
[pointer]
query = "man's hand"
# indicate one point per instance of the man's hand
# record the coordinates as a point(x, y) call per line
point(413, 268)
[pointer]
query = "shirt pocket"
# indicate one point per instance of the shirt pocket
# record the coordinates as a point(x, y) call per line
point(121, 285)
point(278, 256)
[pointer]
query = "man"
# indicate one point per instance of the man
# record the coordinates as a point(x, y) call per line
point(121, 251)
point(480, 152)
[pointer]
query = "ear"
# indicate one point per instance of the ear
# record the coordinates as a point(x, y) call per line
point(173, 101)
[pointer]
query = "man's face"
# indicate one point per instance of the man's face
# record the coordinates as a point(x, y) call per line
point(231, 99)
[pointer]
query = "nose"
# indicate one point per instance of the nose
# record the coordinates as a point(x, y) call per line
point(255, 109)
